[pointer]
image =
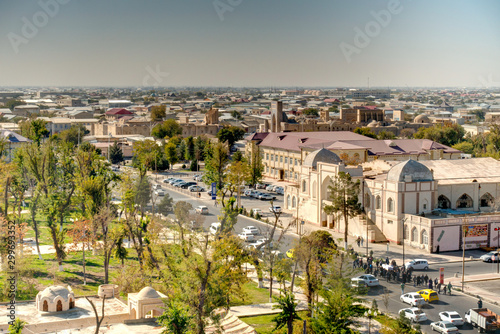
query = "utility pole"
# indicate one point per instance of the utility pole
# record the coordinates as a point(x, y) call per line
point(463, 249)
point(497, 257)
point(403, 224)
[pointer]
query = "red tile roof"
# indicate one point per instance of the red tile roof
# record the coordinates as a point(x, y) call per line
point(118, 111)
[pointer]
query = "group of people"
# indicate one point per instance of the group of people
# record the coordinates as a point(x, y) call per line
point(426, 281)
point(359, 241)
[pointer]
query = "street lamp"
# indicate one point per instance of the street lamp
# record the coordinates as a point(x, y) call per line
point(109, 146)
point(370, 314)
point(464, 234)
point(403, 221)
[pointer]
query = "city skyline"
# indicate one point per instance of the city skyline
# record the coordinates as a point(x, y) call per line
point(240, 43)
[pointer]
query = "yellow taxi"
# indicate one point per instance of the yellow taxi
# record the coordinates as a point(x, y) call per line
point(429, 295)
point(289, 253)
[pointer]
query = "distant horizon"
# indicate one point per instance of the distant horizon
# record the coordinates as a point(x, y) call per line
point(258, 43)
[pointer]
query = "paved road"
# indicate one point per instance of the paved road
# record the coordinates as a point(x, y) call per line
point(456, 302)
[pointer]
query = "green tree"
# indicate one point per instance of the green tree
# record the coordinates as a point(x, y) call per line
point(115, 153)
point(449, 134)
point(401, 325)
point(200, 146)
point(215, 164)
point(465, 147)
point(385, 135)
point(34, 129)
point(168, 129)
point(74, 134)
point(256, 165)
point(190, 148)
point(165, 205)
point(238, 156)
point(175, 319)
point(310, 112)
point(158, 113)
point(230, 135)
point(365, 132)
point(171, 153)
point(337, 312)
point(17, 327)
point(344, 197)
point(288, 314)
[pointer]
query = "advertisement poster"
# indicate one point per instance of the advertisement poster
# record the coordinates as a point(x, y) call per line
point(476, 231)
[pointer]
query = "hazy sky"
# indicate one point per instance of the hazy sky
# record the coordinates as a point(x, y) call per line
point(250, 42)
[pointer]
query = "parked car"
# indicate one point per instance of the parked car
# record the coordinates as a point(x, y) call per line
point(186, 185)
point(279, 190)
point(414, 314)
point(429, 295)
point(412, 298)
point(252, 229)
point(444, 327)
point(167, 180)
point(256, 194)
point(490, 257)
point(452, 317)
point(270, 187)
point(159, 192)
point(275, 209)
point(266, 197)
point(370, 280)
point(196, 188)
point(195, 177)
point(202, 210)
point(417, 264)
point(257, 211)
point(248, 192)
point(156, 186)
point(174, 181)
point(261, 241)
point(290, 253)
point(246, 236)
point(261, 186)
point(359, 284)
point(214, 228)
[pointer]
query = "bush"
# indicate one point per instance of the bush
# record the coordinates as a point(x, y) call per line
point(251, 214)
point(257, 216)
point(194, 166)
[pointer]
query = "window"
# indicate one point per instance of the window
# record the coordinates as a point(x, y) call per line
point(296, 176)
point(294, 202)
point(286, 160)
point(296, 162)
point(390, 222)
point(378, 202)
point(267, 169)
point(272, 157)
point(444, 202)
point(314, 189)
point(304, 188)
point(286, 174)
point(487, 200)
point(267, 156)
point(405, 232)
point(390, 205)
point(281, 158)
point(414, 234)
point(367, 201)
point(425, 238)
point(464, 201)
point(425, 206)
point(288, 201)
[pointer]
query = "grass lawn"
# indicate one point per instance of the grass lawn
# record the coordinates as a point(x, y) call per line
point(254, 295)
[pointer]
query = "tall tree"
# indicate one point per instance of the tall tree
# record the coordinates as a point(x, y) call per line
point(288, 313)
point(168, 129)
point(344, 197)
point(74, 134)
point(81, 235)
point(34, 129)
point(115, 153)
point(230, 135)
point(215, 164)
point(256, 165)
point(158, 113)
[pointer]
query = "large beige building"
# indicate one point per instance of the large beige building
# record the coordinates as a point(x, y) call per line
point(283, 153)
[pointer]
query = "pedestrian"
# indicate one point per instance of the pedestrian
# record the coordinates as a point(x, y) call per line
point(439, 288)
point(430, 284)
point(361, 240)
point(449, 288)
point(414, 281)
point(403, 288)
point(215, 203)
point(479, 303)
point(199, 194)
point(387, 260)
point(358, 240)
point(435, 281)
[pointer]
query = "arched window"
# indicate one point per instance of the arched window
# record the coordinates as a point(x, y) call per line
point(304, 186)
point(294, 202)
point(414, 234)
point(390, 205)
point(45, 307)
point(464, 201)
point(367, 201)
point(406, 235)
point(59, 306)
point(487, 200)
point(314, 189)
point(424, 238)
point(444, 202)
point(288, 201)
point(378, 202)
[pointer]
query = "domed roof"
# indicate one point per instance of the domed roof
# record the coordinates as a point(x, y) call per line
point(53, 291)
point(422, 118)
point(322, 155)
point(411, 168)
point(148, 293)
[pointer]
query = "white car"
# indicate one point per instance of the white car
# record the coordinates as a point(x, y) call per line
point(156, 186)
point(257, 211)
point(214, 228)
point(251, 229)
point(452, 317)
point(202, 210)
point(492, 256)
point(412, 298)
point(279, 190)
point(370, 280)
point(246, 236)
point(275, 209)
point(270, 187)
point(417, 264)
point(414, 314)
point(196, 188)
point(444, 327)
point(159, 192)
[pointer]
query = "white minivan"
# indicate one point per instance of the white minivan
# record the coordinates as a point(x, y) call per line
point(417, 264)
point(214, 228)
